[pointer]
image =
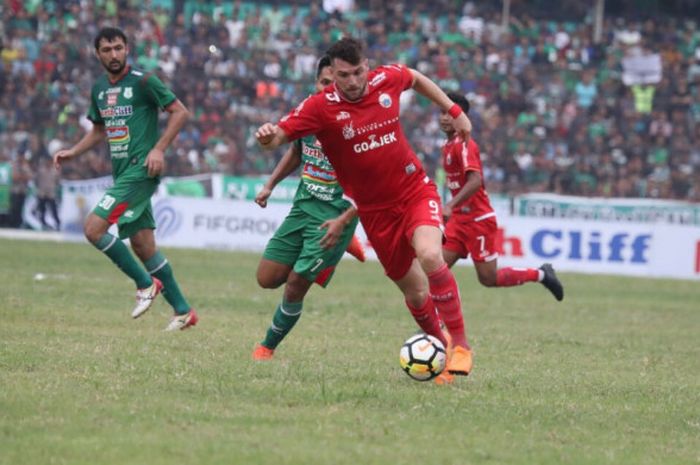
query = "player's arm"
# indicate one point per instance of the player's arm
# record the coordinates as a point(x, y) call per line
point(155, 160)
point(289, 162)
point(93, 137)
point(468, 189)
point(426, 87)
point(270, 136)
point(334, 228)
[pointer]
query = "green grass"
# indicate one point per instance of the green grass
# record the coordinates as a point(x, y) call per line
point(609, 376)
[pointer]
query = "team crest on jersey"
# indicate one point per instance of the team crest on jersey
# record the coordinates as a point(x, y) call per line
point(449, 159)
point(128, 92)
point(348, 131)
point(385, 100)
point(342, 115)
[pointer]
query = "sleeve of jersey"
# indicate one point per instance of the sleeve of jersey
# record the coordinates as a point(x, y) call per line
point(94, 111)
point(470, 156)
point(303, 120)
point(161, 95)
point(402, 74)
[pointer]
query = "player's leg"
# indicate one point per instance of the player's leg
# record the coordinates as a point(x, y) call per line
point(427, 242)
point(272, 274)
point(450, 257)
point(144, 245)
point(276, 268)
point(95, 230)
point(416, 292)
point(286, 315)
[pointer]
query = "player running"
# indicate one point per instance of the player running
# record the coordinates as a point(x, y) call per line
point(471, 225)
point(357, 121)
point(124, 106)
point(313, 237)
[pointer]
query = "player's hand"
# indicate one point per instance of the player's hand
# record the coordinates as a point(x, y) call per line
point(155, 162)
point(263, 195)
point(446, 211)
point(62, 155)
point(463, 126)
point(334, 229)
point(266, 133)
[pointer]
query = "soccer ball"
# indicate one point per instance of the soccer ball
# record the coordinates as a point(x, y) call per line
point(422, 357)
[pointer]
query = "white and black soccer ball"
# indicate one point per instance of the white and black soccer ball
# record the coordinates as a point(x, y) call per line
point(422, 357)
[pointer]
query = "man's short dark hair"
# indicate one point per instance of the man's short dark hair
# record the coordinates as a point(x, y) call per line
point(109, 34)
point(324, 62)
point(460, 100)
point(347, 49)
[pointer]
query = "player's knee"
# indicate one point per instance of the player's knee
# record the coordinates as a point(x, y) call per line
point(296, 288)
point(430, 258)
point(267, 281)
point(92, 232)
point(487, 279)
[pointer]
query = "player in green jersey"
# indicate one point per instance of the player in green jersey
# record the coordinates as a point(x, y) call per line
point(124, 109)
point(313, 237)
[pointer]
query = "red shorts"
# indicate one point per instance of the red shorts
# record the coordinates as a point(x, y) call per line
point(390, 230)
point(468, 237)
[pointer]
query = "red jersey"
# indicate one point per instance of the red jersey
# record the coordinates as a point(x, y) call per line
point(458, 159)
point(364, 140)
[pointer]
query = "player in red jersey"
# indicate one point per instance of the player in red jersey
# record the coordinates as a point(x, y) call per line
point(356, 119)
point(471, 225)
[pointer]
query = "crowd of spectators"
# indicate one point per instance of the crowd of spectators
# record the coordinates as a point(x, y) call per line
point(551, 110)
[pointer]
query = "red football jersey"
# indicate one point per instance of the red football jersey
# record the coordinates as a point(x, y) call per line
point(364, 140)
point(458, 159)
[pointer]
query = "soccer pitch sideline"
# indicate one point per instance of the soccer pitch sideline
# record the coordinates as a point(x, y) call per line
point(609, 376)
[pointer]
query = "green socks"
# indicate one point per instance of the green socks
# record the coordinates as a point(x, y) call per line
point(286, 316)
point(159, 267)
point(121, 256)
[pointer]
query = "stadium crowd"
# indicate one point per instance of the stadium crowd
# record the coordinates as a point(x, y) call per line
point(550, 108)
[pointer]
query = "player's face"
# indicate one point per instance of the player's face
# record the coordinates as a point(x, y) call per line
point(324, 79)
point(351, 80)
point(113, 54)
point(446, 123)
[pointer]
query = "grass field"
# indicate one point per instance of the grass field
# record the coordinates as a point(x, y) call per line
point(609, 376)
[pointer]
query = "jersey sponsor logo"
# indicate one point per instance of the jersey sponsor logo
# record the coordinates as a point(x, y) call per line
point(348, 131)
point(120, 110)
point(312, 152)
point(128, 92)
point(377, 79)
point(110, 123)
point(333, 97)
point(342, 115)
point(385, 100)
point(317, 174)
point(111, 99)
point(374, 142)
point(376, 125)
point(118, 135)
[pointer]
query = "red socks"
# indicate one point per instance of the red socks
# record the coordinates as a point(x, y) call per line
point(507, 277)
point(427, 319)
point(445, 294)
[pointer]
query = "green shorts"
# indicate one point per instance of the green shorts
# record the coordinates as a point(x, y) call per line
point(128, 204)
point(297, 243)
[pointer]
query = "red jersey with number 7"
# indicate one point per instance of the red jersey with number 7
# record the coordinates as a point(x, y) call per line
point(458, 159)
point(363, 139)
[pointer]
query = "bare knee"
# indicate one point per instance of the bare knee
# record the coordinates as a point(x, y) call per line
point(487, 279)
point(430, 258)
point(296, 288)
point(267, 281)
point(94, 229)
